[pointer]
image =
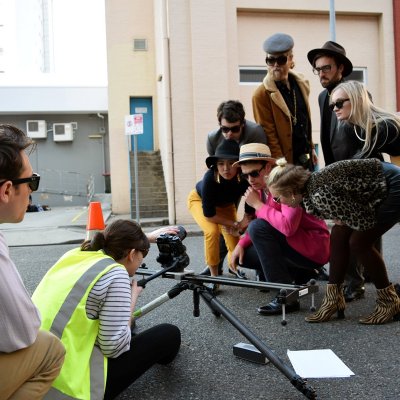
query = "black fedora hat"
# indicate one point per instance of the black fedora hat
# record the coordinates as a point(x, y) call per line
point(332, 49)
point(226, 150)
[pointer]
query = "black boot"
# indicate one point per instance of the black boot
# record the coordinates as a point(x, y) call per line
point(274, 307)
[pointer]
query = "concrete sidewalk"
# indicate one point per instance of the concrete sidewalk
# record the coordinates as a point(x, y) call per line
point(62, 225)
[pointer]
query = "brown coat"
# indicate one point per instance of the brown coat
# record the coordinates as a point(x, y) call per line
point(272, 113)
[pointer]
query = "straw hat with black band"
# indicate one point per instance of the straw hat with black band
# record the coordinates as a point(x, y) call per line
point(255, 152)
point(335, 50)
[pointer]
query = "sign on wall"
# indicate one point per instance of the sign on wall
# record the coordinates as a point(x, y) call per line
point(134, 124)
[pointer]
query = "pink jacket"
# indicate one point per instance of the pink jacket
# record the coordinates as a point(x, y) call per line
point(305, 233)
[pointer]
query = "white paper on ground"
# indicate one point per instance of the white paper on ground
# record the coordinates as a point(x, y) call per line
point(322, 363)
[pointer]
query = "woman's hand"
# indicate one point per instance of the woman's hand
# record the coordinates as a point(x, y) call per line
point(236, 257)
point(152, 236)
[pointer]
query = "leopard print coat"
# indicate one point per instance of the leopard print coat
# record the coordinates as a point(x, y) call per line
point(350, 191)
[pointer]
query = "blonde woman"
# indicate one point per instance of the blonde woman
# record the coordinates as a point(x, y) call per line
point(363, 198)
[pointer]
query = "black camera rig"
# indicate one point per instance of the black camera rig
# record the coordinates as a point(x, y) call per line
point(173, 259)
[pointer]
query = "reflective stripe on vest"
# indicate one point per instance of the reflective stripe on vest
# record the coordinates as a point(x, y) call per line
point(64, 315)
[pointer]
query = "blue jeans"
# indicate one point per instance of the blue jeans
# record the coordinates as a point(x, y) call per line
point(271, 254)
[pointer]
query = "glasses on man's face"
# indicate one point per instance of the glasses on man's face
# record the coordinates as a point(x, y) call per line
point(324, 68)
point(253, 174)
point(233, 129)
point(338, 104)
point(280, 60)
point(32, 181)
point(277, 199)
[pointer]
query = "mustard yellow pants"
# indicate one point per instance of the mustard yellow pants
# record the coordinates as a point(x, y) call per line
point(211, 230)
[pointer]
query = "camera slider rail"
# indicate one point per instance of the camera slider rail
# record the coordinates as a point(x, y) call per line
point(287, 293)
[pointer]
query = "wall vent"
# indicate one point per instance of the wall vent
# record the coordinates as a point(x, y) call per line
point(140, 44)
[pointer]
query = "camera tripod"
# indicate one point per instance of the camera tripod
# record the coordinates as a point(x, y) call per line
point(190, 281)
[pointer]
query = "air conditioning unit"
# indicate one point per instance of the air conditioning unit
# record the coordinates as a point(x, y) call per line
point(36, 129)
point(63, 132)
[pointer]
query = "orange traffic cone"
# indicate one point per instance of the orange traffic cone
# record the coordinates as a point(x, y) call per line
point(95, 221)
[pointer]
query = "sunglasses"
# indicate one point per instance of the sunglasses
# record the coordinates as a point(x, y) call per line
point(277, 199)
point(338, 104)
point(253, 174)
point(32, 181)
point(281, 60)
point(233, 129)
point(324, 68)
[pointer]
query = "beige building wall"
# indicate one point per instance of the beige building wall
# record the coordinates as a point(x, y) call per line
point(195, 50)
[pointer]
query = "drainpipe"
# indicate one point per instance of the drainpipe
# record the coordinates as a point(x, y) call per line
point(170, 183)
point(396, 32)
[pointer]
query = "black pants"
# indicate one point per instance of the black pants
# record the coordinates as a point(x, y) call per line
point(157, 345)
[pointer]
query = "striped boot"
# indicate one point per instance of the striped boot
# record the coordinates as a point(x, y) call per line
point(333, 302)
point(387, 307)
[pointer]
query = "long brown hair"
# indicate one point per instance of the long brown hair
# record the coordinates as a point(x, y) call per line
point(120, 237)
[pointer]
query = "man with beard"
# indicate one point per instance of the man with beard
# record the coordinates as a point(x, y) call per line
point(280, 105)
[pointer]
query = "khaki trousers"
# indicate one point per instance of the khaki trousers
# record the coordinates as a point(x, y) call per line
point(29, 373)
point(211, 230)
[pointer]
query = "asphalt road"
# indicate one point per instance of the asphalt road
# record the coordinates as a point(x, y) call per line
point(206, 367)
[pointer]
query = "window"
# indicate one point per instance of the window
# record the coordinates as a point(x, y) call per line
point(359, 74)
point(251, 75)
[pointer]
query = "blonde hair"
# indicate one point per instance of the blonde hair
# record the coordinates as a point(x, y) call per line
point(287, 179)
point(366, 115)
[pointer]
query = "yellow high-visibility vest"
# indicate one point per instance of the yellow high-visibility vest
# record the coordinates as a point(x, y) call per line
point(61, 299)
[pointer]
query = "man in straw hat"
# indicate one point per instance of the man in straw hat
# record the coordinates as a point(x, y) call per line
point(338, 141)
point(280, 105)
point(275, 242)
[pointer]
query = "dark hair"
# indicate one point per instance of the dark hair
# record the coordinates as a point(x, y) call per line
point(231, 110)
point(254, 161)
point(118, 239)
point(12, 142)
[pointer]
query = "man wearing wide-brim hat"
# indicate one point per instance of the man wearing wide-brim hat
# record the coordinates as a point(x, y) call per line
point(274, 241)
point(331, 65)
point(281, 107)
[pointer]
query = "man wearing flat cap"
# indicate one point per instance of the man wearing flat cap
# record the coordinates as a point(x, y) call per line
point(280, 105)
point(338, 141)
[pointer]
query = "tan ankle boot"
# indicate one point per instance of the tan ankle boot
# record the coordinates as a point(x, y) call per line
point(333, 302)
point(387, 306)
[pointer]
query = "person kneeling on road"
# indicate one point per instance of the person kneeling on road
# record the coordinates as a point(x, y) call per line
point(285, 243)
point(87, 299)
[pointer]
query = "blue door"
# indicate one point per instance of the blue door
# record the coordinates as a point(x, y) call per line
point(144, 106)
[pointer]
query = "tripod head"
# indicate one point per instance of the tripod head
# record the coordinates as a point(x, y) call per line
point(173, 251)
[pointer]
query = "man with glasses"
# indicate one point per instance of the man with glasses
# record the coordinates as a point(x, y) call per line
point(234, 126)
point(280, 105)
point(30, 359)
point(338, 141)
point(285, 243)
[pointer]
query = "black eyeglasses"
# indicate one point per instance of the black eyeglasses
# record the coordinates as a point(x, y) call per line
point(233, 129)
point(32, 181)
point(277, 199)
point(253, 174)
point(280, 60)
point(338, 104)
point(324, 68)
point(144, 252)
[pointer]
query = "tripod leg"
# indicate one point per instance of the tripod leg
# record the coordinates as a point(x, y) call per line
point(298, 382)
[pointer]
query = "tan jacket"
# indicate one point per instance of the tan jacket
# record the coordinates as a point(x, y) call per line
point(272, 113)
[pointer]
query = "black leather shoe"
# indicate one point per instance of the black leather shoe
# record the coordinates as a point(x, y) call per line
point(351, 293)
point(206, 271)
point(274, 307)
point(322, 275)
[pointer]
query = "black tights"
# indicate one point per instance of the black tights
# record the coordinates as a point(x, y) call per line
point(345, 240)
point(157, 345)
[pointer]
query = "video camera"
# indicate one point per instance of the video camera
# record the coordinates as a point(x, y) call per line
point(172, 250)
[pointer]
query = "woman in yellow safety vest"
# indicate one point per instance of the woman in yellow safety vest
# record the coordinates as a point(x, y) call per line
point(87, 300)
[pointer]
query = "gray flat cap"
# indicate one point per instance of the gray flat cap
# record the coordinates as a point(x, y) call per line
point(278, 43)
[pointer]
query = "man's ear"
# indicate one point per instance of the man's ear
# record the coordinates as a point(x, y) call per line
point(5, 191)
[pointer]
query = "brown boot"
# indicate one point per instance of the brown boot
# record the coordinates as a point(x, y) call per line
point(387, 306)
point(333, 302)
